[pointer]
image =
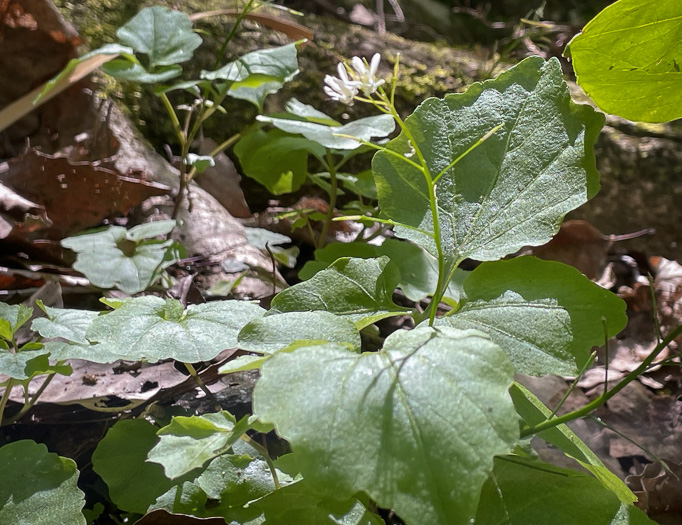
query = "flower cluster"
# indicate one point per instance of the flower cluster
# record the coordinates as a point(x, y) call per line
point(361, 77)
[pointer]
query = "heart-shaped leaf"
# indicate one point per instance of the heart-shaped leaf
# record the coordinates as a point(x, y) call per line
point(628, 59)
point(547, 316)
point(125, 259)
point(496, 195)
point(163, 34)
point(152, 329)
point(38, 487)
point(359, 289)
point(415, 426)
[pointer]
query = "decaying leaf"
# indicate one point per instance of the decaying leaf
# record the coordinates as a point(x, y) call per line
point(76, 195)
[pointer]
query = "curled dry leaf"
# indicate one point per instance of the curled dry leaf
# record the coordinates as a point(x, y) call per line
point(19, 216)
point(76, 195)
point(658, 491)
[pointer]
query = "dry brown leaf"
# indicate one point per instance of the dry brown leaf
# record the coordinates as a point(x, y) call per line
point(659, 491)
point(76, 195)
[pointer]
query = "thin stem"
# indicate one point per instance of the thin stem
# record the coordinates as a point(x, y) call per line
point(5, 397)
point(573, 385)
point(581, 412)
point(266, 455)
point(332, 200)
point(28, 406)
point(654, 307)
point(197, 379)
point(230, 36)
point(174, 118)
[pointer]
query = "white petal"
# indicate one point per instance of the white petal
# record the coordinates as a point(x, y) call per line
point(375, 64)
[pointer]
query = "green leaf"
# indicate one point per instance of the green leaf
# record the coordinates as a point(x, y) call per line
point(120, 459)
point(200, 162)
point(359, 289)
point(628, 59)
point(298, 110)
point(258, 74)
point(126, 69)
point(187, 443)
point(378, 126)
point(274, 332)
point(300, 504)
point(401, 424)
point(164, 35)
point(274, 159)
point(37, 487)
point(149, 328)
point(533, 411)
point(521, 491)
point(418, 269)
point(23, 365)
point(184, 498)
point(124, 259)
point(12, 317)
point(510, 191)
point(546, 315)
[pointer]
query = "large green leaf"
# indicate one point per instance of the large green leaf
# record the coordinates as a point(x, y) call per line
point(628, 59)
point(511, 190)
point(163, 34)
point(418, 269)
point(188, 443)
point(359, 289)
point(275, 332)
point(275, 159)
point(12, 317)
point(415, 426)
point(129, 260)
point(121, 460)
point(523, 492)
point(531, 409)
point(546, 315)
point(150, 328)
point(378, 127)
point(37, 487)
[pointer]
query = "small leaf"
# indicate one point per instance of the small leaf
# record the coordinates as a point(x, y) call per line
point(38, 487)
point(628, 59)
point(274, 332)
point(400, 424)
point(547, 316)
point(533, 411)
point(521, 491)
point(509, 191)
point(23, 365)
point(359, 289)
point(12, 317)
point(126, 69)
point(379, 127)
point(120, 459)
point(152, 329)
point(276, 160)
point(117, 258)
point(164, 35)
point(187, 443)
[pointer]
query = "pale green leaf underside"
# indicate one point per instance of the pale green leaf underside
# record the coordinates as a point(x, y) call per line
point(12, 317)
point(531, 409)
point(145, 329)
point(274, 332)
point(358, 289)
point(521, 492)
point(514, 188)
point(629, 59)
point(38, 487)
point(547, 316)
point(22, 365)
point(415, 426)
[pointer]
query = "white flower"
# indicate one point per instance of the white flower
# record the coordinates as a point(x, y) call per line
point(342, 88)
point(365, 74)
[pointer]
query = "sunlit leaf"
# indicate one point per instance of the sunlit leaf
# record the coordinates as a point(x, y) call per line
point(400, 424)
point(628, 59)
point(12, 317)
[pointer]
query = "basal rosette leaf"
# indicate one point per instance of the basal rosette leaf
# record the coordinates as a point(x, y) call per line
point(358, 289)
point(522, 491)
point(513, 188)
point(38, 487)
point(628, 59)
point(547, 316)
point(150, 328)
point(414, 426)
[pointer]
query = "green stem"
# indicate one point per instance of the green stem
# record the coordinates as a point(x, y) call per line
point(581, 412)
point(174, 118)
point(197, 379)
point(28, 406)
point(332, 200)
point(5, 398)
point(230, 36)
point(263, 452)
